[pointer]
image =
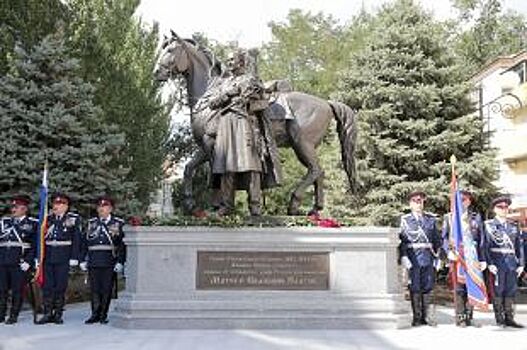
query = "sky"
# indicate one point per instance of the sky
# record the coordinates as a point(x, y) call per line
point(246, 21)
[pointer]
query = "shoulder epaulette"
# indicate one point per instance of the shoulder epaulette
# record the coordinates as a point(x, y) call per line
point(73, 215)
point(92, 219)
point(32, 219)
point(118, 219)
point(406, 216)
point(430, 214)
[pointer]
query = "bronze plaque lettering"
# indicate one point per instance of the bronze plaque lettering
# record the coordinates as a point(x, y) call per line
point(263, 270)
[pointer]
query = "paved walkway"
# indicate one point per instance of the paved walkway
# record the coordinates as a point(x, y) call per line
point(74, 335)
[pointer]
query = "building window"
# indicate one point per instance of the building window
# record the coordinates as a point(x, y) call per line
point(519, 69)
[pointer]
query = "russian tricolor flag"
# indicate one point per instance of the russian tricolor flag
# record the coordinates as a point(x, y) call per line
point(43, 227)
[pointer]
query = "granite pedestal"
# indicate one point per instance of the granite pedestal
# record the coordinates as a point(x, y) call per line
point(166, 288)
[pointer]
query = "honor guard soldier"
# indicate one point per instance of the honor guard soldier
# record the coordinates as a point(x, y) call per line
point(504, 253)
point(419, 247)
point(62, 249)
point(474, 224)
point(17, 252)
point(103, 255)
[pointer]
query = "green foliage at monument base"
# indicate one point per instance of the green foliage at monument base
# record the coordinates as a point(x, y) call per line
point(239, 220)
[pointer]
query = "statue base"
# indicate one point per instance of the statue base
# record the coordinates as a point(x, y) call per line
point(267, 278)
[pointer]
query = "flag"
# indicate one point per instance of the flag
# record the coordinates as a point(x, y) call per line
point(466, 267)
point(42, 227)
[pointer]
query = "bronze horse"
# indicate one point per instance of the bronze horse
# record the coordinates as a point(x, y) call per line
point(311, 117)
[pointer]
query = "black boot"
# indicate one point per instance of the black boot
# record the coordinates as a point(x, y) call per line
point(427, 318)
point(95, 309)
point(415, 298)
point(58, 309)
point(461, 317)
point(509, 314)
point(105, 302)
point(13, 318)
point(470, 317)
point(16, 305)
point(48, 312)
point(497, 304)
point(3, 306)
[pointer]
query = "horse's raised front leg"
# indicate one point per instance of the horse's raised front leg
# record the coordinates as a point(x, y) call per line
point(306, 154)
point(190, 169)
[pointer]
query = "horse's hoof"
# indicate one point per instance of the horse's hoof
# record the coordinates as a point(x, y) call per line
point(313, 212)
point(293, 212)
point(222, 212)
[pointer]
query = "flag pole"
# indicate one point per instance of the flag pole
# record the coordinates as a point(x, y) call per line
point(42, 226)
point(453, 264)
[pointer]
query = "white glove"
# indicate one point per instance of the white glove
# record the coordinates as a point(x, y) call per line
point(37, 263)
point(438, 264)
point(74, 262)
point(407, 264)
point(84, 266)
point(519, 270)
point(24, 266)
point(493, 269)
point(482, 265)
point(118, 268)
point(451, 256)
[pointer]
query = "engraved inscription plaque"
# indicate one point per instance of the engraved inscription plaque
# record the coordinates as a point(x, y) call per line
point(263, 270)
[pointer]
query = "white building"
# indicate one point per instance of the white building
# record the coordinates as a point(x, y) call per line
point(501, 95)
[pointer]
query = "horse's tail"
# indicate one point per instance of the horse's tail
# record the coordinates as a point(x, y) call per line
point(347, 131)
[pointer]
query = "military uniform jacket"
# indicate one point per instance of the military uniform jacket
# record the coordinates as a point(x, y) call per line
point(503, 244)
point(475, 228)
point(18, 240)
point(524, 242)
point(419, 240)
point(102, 244)
point(63, 238)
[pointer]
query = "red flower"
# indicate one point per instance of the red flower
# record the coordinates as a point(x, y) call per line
point(314, 218)
point(135, 221)
point(329, 222)
point(319, 221)
point(200, 213)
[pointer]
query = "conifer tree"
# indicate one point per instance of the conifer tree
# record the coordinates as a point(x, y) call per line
point(47, 113)
point(118, 54)
point(415, 112)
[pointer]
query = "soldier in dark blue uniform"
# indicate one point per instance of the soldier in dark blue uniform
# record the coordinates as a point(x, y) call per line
point(17, 252)
point(465, 311)
point(103, 255)
point(419, 248)
point(62, 253)
point(504, 253)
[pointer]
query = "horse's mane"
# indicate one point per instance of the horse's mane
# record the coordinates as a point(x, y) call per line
point(191, 41)
point(216, 65)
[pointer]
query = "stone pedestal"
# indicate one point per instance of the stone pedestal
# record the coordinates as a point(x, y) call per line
point(166, 288)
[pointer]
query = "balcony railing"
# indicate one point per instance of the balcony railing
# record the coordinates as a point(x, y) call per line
point(502, 106)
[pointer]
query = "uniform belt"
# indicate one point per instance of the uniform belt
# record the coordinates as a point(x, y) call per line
point(15, 244)
point(503, 250)
point(420, 245)
point(58, 243)
point(101, 247)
